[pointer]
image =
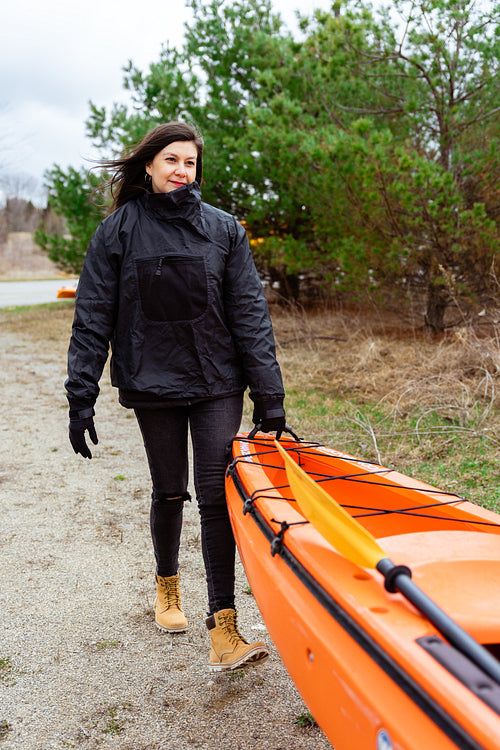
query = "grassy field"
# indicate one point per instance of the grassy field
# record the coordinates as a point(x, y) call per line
point(365, 384)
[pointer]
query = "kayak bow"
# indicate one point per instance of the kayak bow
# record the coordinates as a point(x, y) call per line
point(376, 659)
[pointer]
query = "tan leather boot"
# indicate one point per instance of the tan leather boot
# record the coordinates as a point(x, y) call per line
point(168, 613)
point(229, 650)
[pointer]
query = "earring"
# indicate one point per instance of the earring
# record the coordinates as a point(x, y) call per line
point(147, 178)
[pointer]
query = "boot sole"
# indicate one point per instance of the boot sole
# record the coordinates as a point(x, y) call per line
point(251, 659)
point(162, 629)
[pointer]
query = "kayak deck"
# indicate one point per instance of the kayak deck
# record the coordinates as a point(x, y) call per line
point(451, 545)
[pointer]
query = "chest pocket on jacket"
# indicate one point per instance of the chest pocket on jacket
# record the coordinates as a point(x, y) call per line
point(172, 287)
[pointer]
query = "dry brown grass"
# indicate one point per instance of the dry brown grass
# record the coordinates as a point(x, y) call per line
point(349, 352)
point(428, 405)
point(50, 323)
point(20, 258)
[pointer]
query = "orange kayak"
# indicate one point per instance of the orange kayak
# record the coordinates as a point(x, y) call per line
point(66, 292)
point(377, 668)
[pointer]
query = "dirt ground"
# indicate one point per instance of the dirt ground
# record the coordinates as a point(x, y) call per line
point(81, 663)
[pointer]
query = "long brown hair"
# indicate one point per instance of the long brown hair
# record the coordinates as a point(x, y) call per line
point(129, 170)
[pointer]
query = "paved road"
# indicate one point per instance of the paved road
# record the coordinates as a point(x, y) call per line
point(30, 292)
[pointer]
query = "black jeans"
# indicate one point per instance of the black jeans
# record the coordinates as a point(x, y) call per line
point(212, 425)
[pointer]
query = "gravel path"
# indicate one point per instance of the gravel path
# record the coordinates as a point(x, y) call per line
point(81, 663)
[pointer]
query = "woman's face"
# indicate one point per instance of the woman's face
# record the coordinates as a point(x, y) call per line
point(173, 166)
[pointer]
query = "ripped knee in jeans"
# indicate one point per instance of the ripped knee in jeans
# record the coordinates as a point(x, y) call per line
point(159, 497)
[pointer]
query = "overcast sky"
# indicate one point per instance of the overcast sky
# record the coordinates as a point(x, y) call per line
point(57, 55)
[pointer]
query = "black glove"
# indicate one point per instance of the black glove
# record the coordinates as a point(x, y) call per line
point(269, 415)
point(79, 421)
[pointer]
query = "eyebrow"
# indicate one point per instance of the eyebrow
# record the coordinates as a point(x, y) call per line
point(173, 153)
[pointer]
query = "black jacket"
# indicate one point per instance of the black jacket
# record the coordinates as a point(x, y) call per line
point(170, 282)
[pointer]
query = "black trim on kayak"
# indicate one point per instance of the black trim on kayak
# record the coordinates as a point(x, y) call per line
point(448, 725)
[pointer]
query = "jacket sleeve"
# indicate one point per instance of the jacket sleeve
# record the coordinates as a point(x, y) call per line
point(249, 319)
point(93, 324)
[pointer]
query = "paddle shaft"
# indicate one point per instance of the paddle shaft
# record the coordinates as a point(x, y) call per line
point(443, 622)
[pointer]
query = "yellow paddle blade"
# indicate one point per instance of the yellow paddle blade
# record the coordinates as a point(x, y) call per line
point(333, 523)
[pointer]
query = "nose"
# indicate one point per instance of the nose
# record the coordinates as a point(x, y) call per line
point(181, 170)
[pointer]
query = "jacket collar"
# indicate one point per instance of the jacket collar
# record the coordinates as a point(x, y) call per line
point(183, 203)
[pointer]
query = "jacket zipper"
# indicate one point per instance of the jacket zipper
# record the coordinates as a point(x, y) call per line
point(158, 268)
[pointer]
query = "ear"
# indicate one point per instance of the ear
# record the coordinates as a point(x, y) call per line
point(148, 168)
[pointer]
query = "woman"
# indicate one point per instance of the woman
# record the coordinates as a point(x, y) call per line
point(170, 283)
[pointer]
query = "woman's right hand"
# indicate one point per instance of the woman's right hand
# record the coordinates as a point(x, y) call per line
point(77, 428)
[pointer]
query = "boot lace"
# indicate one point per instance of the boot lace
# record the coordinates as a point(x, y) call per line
point(231, 628)
point(171, 591)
